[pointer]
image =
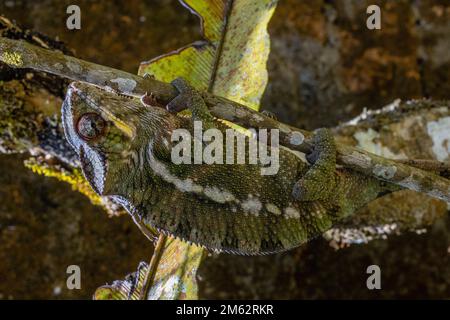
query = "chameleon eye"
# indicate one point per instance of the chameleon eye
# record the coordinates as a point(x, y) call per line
point(90, 126)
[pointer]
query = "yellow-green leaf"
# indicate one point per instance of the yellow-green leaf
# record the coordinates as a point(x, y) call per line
point(231, 60)
point(175, 276)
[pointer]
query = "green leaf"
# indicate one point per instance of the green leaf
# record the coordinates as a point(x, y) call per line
point(175, 277)
point(230, 62)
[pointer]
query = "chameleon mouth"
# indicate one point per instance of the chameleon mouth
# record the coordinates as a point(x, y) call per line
point(94, 168)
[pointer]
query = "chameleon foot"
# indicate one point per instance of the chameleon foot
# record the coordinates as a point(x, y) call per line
point(190, 98)
point(269, 114)
point(319, 181)
point(182, 100)
point(149, 76)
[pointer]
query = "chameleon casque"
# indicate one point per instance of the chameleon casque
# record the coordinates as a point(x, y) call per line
point(124, 146)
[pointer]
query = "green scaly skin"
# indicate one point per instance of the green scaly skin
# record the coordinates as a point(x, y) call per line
point(223, 207)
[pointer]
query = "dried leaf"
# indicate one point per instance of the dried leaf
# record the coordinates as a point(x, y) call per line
point(127, 289)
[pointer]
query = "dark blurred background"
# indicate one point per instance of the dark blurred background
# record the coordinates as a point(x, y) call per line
point(325, 66)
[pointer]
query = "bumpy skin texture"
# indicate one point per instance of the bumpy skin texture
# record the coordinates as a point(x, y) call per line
point(125, 152)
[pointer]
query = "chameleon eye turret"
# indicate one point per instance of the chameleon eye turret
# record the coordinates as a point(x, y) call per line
point(90, 126)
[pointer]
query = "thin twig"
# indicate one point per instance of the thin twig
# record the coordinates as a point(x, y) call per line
point(20, 54)
point(152, 267)
point(428, 165)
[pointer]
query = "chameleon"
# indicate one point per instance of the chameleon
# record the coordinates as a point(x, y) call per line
point(124, 147)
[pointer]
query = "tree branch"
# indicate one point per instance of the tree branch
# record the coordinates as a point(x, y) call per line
point(152, 266)
point(19, 54)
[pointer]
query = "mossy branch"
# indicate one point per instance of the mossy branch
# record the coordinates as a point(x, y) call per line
point(20, 54)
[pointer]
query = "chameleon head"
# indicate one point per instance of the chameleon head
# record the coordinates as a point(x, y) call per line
point(102, 128)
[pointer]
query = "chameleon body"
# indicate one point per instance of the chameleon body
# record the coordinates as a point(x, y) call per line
point(125, 147)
